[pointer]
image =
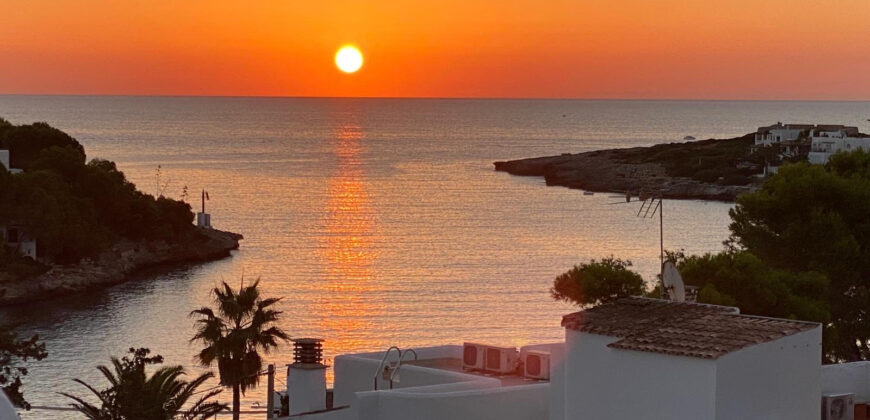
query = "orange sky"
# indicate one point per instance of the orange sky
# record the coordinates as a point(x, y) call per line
point(724, 49)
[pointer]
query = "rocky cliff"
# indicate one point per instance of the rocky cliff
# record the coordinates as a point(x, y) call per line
point(612, 171)
point(118, 264)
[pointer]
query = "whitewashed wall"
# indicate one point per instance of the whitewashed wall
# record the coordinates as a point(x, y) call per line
point(824, 147)
point(342, 414)
point(778, 380)
point(818, 158)
point(602, 383)
point(430, 394)
point(853, 143)
point(523, 402)
point(783, 134)
point(847, 378)
point(4, 159)
point(558, 397)
point(27, 248)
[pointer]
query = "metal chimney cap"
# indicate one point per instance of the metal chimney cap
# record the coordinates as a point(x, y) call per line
point(307, 340)
point(307, 351)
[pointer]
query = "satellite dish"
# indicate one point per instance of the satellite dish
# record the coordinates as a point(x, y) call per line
point(7, 411)
point(673, 283)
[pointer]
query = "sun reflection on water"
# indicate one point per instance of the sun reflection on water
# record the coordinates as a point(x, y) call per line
point(347, 308)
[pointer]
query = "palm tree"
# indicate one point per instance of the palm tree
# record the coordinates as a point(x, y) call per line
point(132, 395)
point(234, 332)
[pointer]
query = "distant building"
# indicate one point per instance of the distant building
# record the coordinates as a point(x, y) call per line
point(13, 236)
point(827, 140)
point(816, 143)
point(203, 219)
point(4, 160)
point(779, 133)
point(16, 238)
point(789, 140)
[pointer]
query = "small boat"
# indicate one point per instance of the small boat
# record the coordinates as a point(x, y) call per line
point(588, 193)
point(689, 138)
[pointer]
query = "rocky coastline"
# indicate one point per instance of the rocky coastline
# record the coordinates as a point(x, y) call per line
point(611, 171)
point(118, 264)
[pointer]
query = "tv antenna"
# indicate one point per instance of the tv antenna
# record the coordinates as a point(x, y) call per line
point(651, 204)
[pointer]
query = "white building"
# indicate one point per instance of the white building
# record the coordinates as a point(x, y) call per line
point(653, 359)
point(13, 236)
point(634, 359)
point(779, 132)
point(827, 140)
point(4, 160)
point(19, 240)
point(816, 142)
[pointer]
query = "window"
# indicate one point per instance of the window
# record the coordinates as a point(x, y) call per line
point(12, 235)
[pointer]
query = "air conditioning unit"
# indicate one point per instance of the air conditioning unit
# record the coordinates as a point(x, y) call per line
point(473, 356)
point(838, 407)
point(536, 364)
point(501, 359)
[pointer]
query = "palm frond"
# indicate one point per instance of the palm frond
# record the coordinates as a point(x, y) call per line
point(90, 388)
point(90, 411)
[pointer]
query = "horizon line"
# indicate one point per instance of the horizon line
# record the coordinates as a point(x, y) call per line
point(481, 98)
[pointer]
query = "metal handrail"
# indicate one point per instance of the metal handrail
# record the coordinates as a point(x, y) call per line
point(399, 365)
point(383, 361)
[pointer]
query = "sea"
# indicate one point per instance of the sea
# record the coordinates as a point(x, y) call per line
point(378, 222)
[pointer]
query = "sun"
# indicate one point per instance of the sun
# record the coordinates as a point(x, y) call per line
point(349, 59)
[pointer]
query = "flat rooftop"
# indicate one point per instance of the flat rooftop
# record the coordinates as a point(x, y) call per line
point(455, 365)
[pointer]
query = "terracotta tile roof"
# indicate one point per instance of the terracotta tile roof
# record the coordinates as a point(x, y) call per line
point(682, 329)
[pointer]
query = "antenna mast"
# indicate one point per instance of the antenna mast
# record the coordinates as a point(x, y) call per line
point(662, 243)
point(649, 205)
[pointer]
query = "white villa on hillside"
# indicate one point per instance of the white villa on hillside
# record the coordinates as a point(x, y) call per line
point(4, 160)
point(826, 143)
point(13, 236)
point(19, 240)
point(784, 133)
point(817, 142)
point(779, 133)
point(636, 358)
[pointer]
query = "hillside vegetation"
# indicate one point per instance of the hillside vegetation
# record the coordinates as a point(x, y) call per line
point(719, 161)
point(73, 207)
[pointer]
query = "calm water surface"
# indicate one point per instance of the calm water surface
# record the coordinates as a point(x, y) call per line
point(380, 222)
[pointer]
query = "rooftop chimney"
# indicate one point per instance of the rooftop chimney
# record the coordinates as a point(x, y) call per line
point(306, 377)
point(307, 351)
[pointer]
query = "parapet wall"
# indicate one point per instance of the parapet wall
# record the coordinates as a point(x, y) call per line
point(523, 402)
point(844, 378)
point(355, 373)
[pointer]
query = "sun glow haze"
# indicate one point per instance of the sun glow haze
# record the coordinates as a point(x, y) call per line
point(669, 49)
point(349, 59)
